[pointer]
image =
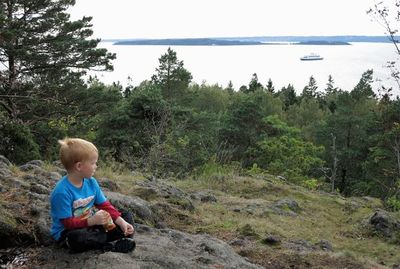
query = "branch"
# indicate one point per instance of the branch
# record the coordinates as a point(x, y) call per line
point(6, 107)
point(15, 96)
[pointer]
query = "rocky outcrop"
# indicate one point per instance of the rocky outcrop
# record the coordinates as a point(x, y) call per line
point(140, 208)
point(156, 248)
point(382, 223)
point(25, 220)
point(286, 207)
point(152, 189)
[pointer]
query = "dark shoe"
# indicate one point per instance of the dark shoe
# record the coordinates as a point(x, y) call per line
point(123, 245)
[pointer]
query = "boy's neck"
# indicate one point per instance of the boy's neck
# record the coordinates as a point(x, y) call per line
point(75, 179)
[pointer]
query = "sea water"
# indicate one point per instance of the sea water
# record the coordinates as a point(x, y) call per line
point(280, 63)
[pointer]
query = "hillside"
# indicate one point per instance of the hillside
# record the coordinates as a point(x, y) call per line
point(218, 219)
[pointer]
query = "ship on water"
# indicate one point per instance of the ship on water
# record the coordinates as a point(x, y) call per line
point(311, 57)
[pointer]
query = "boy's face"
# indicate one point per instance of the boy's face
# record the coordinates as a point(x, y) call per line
point(88, 167)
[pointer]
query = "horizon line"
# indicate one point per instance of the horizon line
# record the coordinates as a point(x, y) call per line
point(253, 36)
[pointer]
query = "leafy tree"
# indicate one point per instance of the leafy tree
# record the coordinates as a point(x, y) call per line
point(306, 116)
point(351, 124)
point(288, 96)
point(129, 130)
point(244, 89)
point(243, 124)
point(388, 18)
point(207, 98)
point(284, 151)
point(17, 141)
point(383, 162)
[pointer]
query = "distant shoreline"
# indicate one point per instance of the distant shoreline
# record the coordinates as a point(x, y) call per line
point(180, 42)
point(246, 41)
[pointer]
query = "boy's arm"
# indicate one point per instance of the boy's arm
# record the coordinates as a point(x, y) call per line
point(107, 206)
point(74, 223)
point(100, 218)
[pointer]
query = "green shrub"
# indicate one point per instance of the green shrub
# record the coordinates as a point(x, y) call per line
point(214, 171)
point(393, 203)
point(17, 142)
point(311, 184)
point(255, 170)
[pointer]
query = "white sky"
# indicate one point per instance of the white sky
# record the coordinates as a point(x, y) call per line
point(224, 18)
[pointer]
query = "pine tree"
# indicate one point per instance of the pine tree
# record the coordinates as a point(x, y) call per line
point(310, 91)
point(44, 54)
point(254, 83)
point(171, 76)
point(270, 86)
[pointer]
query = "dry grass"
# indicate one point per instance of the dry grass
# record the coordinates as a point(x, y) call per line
point(322, 216)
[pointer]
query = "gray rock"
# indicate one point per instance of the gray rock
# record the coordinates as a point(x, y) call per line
point(27, 167)
point(140, 208)
point(150, 190)
point(8, 226)
point(167, 249)
point(324, 245)
point(38, 197)
point(204, 197)
point(286, 207)
point(42, 229)
point(162, 189)
point(287, 203)
point(40, 189)
point(281, 178)
point(48, 177)
point(272, 239)
point(15, 182)
point(299, 245)
point(29, 177)
point(384, 224)
point(36, 162)
point(4, 170)
point(4, 160)
point(252, 208)
point(108, 184)
point(60, 171)
point(53, 176)
point(237, 242)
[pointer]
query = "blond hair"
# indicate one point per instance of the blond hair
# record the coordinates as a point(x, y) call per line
point(73, 150)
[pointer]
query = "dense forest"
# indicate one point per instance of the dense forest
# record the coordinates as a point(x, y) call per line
point(344, 140)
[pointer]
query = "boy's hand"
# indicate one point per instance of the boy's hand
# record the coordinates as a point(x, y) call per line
point(126, 227)
point(99, 218)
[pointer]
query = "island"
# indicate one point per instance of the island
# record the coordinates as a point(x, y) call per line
point(188, 42)
point(257, 40)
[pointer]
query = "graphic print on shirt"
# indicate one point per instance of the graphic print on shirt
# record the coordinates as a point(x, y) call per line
point(82, 209)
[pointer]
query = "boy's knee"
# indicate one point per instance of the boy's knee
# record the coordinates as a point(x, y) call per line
point(84, 239)
point(127, 215)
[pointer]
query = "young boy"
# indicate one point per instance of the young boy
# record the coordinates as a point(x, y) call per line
point(82, 217)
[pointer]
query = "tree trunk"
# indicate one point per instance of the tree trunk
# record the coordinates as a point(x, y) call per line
point(12, 74)
point(335, 160)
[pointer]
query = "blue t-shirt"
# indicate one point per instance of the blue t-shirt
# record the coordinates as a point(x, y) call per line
point(67, 201)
